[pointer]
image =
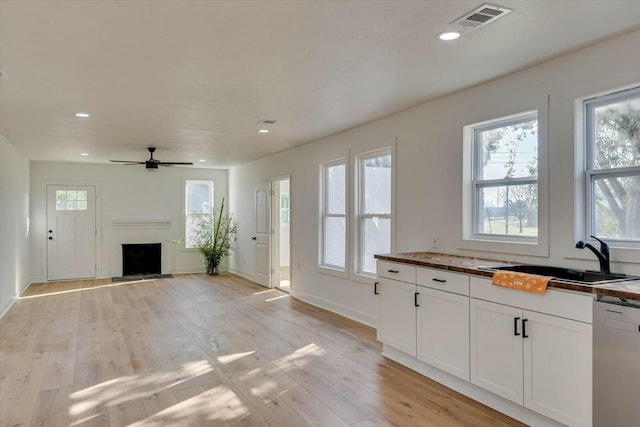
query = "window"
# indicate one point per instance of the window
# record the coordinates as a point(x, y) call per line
point(284, 209)
point(373, 213)
point(333, 221)
point(71, 200)
point(613, 165)
point(505, 179)
point(198, 207)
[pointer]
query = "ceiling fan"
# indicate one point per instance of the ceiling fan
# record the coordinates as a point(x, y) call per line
point(151, 164)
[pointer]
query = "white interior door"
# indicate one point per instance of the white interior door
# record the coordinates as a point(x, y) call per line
point(263, 234)
point(71, 232)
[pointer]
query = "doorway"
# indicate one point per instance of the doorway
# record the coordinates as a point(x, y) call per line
point(282, 240)
point(71, 232)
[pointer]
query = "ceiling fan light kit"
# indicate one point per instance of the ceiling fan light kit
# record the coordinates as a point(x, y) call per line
point(152, 164)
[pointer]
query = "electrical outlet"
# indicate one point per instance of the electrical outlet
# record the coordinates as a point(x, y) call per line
point(434, 242)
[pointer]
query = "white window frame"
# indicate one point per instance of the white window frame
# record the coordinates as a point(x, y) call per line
point(323, 215)
point(360, 217)
point(591, 173)
point(504, 243)
point(186, 213)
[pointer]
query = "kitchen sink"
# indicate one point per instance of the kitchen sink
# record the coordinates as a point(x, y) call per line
point(585, 277)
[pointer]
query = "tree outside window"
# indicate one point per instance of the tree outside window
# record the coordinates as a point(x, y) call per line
point(613, 165)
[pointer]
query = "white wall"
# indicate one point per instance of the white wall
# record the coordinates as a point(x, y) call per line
point(124, 193)
point(14, 224)
point(429, 171)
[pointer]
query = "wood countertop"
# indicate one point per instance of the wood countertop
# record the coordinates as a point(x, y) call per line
point(471, 265)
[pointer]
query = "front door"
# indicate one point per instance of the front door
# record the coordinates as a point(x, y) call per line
point(71, 232)
point(263, 232)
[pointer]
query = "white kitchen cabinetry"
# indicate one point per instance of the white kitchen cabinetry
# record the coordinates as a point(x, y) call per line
point(396, 291)
point(397, 315)
point(537, 360)
point(557, 368)
point(526, 355)
point(496, 352)
point(443, 321)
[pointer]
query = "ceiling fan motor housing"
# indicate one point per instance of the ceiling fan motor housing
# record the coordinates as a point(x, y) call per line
point(151, 165)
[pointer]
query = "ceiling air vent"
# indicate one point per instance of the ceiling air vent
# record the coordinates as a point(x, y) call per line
point(3, 75)
point(481, 16)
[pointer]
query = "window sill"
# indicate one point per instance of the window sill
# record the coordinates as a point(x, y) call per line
point(363, 278)
point(504, 247)
point(627, 255)
point(333, 272)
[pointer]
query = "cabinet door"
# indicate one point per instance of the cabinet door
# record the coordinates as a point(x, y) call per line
point(557, 368)
point(496, 350)
point(397, 315)
point(443, 331)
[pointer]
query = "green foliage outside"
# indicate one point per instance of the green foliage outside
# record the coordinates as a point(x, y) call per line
point(214, 236)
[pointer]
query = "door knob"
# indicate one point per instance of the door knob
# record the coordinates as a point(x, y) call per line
point(253, 238)
point(50, 238)
point(50, 231)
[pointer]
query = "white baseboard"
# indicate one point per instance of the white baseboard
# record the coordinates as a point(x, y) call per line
point(242, 273)
point(340, 309)
point(476, 393)
point(7, 306)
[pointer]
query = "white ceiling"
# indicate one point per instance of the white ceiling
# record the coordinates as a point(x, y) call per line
point(193, 78)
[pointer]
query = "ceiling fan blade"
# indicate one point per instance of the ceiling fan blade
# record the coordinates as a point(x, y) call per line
point(127, 161)
point(174, 163)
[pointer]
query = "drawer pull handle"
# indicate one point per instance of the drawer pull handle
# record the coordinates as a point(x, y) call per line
point(393, 271)
point(375, 288)
point(524, 328)
point(515, 326)
point(415, 299)
point(435, 279)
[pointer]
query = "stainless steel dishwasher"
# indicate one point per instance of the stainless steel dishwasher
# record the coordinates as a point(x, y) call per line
point(616, 363)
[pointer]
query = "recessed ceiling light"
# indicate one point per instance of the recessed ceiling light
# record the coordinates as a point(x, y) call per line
point(263, 130)
point(83, 115)
point(84, 154)
point(449, 35)
point(202, 160)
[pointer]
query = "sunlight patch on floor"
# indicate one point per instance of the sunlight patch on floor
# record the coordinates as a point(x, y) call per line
point(229, 358)
point(89, 288)
point(278, 297)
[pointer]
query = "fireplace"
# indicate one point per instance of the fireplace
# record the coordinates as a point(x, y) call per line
point(141, 258)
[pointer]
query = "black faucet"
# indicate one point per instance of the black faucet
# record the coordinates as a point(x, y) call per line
point(602, 254)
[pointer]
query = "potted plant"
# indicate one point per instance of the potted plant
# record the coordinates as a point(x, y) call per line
point(214, 236)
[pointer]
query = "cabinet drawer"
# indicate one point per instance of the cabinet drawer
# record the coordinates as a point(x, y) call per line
point(397, 271)
point(443, 280)
point(556, 302)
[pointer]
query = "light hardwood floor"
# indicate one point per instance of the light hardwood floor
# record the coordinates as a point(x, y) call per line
point(199, 351)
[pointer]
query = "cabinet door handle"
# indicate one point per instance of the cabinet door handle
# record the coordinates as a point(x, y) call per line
point(415, 299)
point(375, 288)
point(393, 271)
point(524, 328)
point(435, 279)
point(515, 326)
